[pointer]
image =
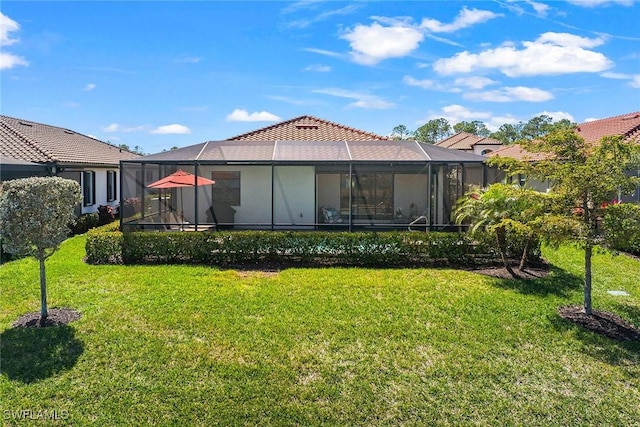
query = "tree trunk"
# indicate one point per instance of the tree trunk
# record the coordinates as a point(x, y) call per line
point(525, 253)
point(501, 238)
point(587, 278)
point(43, 289)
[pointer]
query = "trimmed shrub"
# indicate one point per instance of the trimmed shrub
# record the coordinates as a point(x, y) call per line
point(622, 227)
point(85, 223)
point(227, 248)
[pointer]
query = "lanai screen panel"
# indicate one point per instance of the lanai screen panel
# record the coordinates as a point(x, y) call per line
point(241, 151)
point(311, 151)
point(391, 151)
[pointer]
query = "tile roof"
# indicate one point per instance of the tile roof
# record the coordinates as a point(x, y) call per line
point(466, 141)
point(626, 125)
point(307, 128)
point(515, 151)
point(40, 143)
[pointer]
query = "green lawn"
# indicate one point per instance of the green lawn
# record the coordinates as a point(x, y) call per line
point(179, 345)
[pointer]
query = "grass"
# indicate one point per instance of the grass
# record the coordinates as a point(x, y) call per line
point(181, 345)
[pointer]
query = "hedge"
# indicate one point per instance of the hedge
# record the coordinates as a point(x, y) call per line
point(229, 248)
point(622, 227)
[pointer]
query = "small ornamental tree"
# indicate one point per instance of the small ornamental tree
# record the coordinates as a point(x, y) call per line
point(504, 210)
point(584, 178)
point(35, 214)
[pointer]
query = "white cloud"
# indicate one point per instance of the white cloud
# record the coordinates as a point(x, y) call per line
point(511, 94)
point(89, 87)
point(617, 76)
point(635, 82)
point(475, 82)
point(540, 8)
point(557, 115)
point(362, 100)
point(115, 127)
point(8, 60)
point(323, 52)
point(373, 43)
point(551, 53)
point(466, 18)
point(429, 85)
point(188, 60)
point(7, 26)
point(173, 129)
point(318, 68)
point(596, 3)
point(239, 115)
point(457, 113)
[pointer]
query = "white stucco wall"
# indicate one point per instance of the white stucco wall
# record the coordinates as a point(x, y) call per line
point(100, 186)
point(294, 197)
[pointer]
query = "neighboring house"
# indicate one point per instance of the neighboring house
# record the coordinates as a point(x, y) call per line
point(62, 152)
point(303, 173)
point(470, 143)
point(625, 125)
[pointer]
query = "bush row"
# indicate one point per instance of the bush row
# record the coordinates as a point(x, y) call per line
point(227, 248)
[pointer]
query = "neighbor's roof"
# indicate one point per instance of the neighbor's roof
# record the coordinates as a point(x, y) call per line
point(40, 143)
point(515, 151)
point(312, 152)
point(626, 125)
point(466, 141)
point(307, 128)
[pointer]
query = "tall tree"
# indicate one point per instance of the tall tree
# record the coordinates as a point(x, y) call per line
point(475, 127)
point(537, 127)
point(584, 178)
point(401, 132)
point(35, 214)
point(508, 133)
point(433, 131)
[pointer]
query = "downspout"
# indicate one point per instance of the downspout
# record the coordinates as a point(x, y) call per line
point(350, 196)
point(429, 196)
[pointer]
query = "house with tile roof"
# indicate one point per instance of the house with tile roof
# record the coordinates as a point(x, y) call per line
point(303, 173)
point(308, 128)
point(470, 143)
point(626, 125)
point(29, 148)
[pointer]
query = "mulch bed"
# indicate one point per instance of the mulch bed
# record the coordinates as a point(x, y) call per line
point(601, 322)
point(502, 273)
point(56, 317)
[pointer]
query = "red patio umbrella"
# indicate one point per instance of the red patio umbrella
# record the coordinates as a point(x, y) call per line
point(180, 179)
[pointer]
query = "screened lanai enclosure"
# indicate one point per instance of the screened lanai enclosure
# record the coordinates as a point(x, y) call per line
point(288, 185)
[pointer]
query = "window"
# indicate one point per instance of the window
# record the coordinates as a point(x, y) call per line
point(112, 193)
point(226, 190)
point(89, 188)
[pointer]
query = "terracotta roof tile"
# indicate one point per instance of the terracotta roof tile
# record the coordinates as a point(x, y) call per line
point(37, 142)
point(515, 151)
point(626, 125)
point(307, 128)
point(466, 141)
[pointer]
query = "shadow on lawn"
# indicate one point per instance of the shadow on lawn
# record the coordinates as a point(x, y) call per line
point(33, 354)
point(558, 282)
point(608, 350)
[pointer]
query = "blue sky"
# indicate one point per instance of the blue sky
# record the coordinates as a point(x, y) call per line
point(164, 74)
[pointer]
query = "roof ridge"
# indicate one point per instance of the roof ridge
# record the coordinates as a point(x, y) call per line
point(634, 114)
point(25, 139)
point(306, 116)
